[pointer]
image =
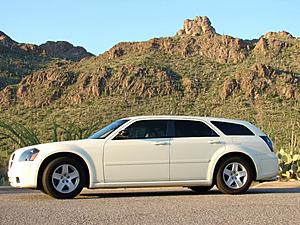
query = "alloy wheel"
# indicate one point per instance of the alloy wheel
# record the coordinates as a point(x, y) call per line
point(65, 178)
point(235, 175)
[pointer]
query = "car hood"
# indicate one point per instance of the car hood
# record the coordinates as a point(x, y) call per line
point(62, 145)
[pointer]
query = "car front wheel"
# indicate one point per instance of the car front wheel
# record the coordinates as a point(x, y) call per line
point(63, 178)
point(234, 176)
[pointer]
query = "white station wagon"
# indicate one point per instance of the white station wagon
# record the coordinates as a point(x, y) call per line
point(148, 151)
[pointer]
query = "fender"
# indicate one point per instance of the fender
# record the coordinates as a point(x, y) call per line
point(230, 149)
point(74, 150)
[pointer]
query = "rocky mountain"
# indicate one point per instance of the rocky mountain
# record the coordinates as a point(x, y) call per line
point(195, 72)
point(200, 25)
point(20, 59)
point(64, 50)
point(51, 49)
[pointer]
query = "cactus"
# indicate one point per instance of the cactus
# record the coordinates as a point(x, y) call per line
point(289, 165)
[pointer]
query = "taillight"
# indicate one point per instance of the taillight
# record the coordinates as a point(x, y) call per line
point(268, 141)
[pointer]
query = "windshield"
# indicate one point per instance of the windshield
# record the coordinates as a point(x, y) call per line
point(104, 132)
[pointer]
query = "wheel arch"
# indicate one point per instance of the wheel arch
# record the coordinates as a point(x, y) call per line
point(242, 155)
point(53, 156)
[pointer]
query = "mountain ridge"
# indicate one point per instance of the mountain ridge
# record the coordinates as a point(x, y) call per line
point(20, 59)
point(47, 49)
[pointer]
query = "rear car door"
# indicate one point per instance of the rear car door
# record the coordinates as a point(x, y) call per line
point(193, 143)
point(141, 156)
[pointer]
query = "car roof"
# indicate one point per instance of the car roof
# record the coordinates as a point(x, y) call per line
point(206, 119)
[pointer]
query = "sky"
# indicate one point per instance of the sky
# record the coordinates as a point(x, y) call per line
point(98, 25)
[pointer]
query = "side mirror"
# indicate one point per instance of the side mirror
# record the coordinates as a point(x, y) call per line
point(122, 134)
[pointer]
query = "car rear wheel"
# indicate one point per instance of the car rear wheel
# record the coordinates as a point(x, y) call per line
point(63, 178)
point(234, 176)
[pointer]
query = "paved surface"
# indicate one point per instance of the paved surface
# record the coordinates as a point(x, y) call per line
point(271, 203)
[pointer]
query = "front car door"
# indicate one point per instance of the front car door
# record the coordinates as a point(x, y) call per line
point(140, 156)
point(192, 146)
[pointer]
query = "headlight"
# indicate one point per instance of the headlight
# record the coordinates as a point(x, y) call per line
point(29, 155)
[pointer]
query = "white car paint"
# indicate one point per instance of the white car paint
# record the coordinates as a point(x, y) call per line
point(151, 162)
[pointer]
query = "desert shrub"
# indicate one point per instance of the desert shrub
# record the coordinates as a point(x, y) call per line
point(289, 164)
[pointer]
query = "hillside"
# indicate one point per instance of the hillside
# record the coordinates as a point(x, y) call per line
point(18, 60)
point(195, 72)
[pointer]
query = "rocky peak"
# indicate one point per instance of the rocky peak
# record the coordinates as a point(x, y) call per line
point(273, 43)
point(6, 40)
point(3, 36)
point(280, 35)
point(198, 26)
point(56, 49)
point(64, 49)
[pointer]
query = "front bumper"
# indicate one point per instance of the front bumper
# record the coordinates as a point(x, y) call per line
point(22, 175)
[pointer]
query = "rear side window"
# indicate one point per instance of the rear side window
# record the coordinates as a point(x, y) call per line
point(185, 128)
point(232, 128)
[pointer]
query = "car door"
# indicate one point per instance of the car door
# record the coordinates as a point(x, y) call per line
point(191, 148)
point(142, 155)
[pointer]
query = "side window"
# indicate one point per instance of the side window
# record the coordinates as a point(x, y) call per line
point(147, 129)
point(232, 128)
point(185, 128)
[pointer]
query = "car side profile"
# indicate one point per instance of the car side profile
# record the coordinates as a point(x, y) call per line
point(150, 151)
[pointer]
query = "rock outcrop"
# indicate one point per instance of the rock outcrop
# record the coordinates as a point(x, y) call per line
point(198, 26)
point(5, 40)
point(43, 87)
point(65, 50)
point(278, 35)
point(50, 49)
point(261, 80)
point(128, 80)
point(273, 43)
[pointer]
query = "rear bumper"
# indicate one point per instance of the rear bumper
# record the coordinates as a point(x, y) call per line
point(267, 167)
point(22, 175)
point(270, 179)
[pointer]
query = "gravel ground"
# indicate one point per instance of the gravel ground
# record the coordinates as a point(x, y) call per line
point(275, 203)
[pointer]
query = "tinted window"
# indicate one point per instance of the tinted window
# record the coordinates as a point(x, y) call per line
point(232, 128)
point(147, 129)
point(193, 129)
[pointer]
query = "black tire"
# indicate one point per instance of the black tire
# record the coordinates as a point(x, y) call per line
point(49, 183)
point(201, 189)
point(236, 188)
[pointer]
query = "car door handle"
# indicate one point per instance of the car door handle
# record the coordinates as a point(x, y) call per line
point(162, 143)
point(216, 142)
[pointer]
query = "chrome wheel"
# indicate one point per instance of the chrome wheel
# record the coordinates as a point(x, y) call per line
point(65, 178)
point(235, 175)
